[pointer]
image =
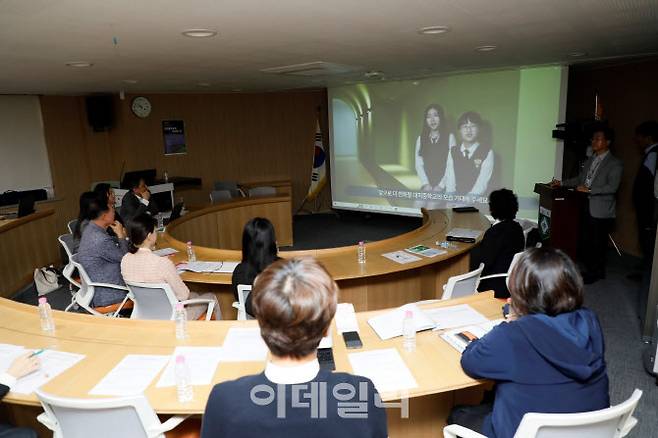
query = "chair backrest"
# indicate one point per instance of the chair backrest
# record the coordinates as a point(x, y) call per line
point(262, 191)
point(231, 186)
point(220, 195)
point(85, 294)
point(513, 263)
point(243, 292)
point(152, 300)
point(99, 417)
point(612, 422)
point(71, 225)
point(67, 242)
point(462, 285)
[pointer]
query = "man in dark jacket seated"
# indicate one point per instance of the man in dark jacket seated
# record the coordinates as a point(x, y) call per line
point(500, 242)
point(294, 301)
point(21, 366)
point(137, 201)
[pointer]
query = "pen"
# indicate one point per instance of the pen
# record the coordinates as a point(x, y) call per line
point(38, 352)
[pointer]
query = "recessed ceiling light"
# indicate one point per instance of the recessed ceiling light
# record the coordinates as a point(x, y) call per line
point(199, 33)
point(433, 30)
point(577, 54)
point(373, 74)
point(488, 48)
point(203, 84)
point(130, 81)
point(79, 64)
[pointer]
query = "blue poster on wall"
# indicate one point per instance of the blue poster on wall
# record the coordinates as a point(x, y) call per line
point(173, 133)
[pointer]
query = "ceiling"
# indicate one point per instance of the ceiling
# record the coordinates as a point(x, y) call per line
point(140, 40)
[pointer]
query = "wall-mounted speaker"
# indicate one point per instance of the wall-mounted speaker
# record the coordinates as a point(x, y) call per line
point(100, 112)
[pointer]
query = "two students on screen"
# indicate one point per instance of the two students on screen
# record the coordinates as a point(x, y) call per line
point(442, 165)
point(548, 357)
point(294, 301)
point(258, 252)
point(140, 265)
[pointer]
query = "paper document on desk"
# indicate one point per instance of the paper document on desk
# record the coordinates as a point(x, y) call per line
point(389, 325)
point(53, 363)
point(455, 316)
point(211, 267)
point(346, 318)
point(201, 361)
point(164, 252)
point(425, 251)
point(401, 257)
point(244, 345)
point(9, 352)
point(460, 338)
point(131, 376)
point(385, 368)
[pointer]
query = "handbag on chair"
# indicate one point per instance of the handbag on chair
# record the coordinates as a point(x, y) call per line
point(46, 280)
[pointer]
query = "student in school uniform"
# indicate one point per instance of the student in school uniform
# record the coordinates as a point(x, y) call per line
point(294, 301)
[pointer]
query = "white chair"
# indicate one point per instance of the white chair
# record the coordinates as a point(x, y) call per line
point(613, 422)
point(243, 292)
point(158, 301)
point(262, 191)
point(84, 296)
point(513, 263)
point(66, 240)
point(462, 285)
point(71, 225)
point(126, 417)
point(219, 195)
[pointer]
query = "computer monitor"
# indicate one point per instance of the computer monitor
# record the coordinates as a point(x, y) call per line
point(148, 175)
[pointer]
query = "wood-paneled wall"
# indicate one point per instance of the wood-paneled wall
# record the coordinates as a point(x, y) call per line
point(629, 95)
point(242, 137)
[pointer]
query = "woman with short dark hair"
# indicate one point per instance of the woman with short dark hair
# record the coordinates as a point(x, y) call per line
point(295, 301)
point(500, 242)
point(140, 265)
point(258, 252)
point(549, 356)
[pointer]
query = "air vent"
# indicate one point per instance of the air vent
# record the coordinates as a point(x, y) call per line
point(317, 68)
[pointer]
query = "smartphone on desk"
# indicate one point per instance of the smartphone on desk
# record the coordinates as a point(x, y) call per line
point(352, 340)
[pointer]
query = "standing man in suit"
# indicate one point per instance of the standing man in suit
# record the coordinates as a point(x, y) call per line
point(644, 188)
point(137, 201)
point(599, 178)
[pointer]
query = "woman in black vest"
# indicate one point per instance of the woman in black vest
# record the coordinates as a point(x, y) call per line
point(432, 148)
point(470, 165)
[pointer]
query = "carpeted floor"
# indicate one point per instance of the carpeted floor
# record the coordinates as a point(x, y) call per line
point(615, 299)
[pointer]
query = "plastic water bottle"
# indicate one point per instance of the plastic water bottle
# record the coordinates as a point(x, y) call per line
point(191, 256)
point(184, 388)
point(408, 331)
point(181, 321)
point(166, 176)
point(361, 252)
point(46, 315)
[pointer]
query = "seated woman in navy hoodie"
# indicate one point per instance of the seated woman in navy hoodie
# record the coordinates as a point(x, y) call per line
point(549, 357)
point(294, 301)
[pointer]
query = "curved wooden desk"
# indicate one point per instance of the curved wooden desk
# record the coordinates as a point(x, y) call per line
point(105, 341)
point(377, 284)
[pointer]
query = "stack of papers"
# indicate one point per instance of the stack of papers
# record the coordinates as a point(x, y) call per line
point(385, 368)
point(131, 376)
point(53, 363)
point(164, 252)
point(455, 316)
point(425, 251)
point(401, 257)
point(212, 267)
point(461, 337)
point(201, 361)
point(389, 325)
point(346, 318)
point(244, 345)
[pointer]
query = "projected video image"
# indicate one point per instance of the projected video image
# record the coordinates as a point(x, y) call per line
point(433, 143)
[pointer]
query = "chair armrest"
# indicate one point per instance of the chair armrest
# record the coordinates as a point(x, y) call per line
point(210, 303)
point(167, 425)
point(108, 285)
point(45, 419)
point(486, 277)
point(455, 430)
point(236, 305)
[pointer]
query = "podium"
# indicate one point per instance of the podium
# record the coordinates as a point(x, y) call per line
point(560, 216)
